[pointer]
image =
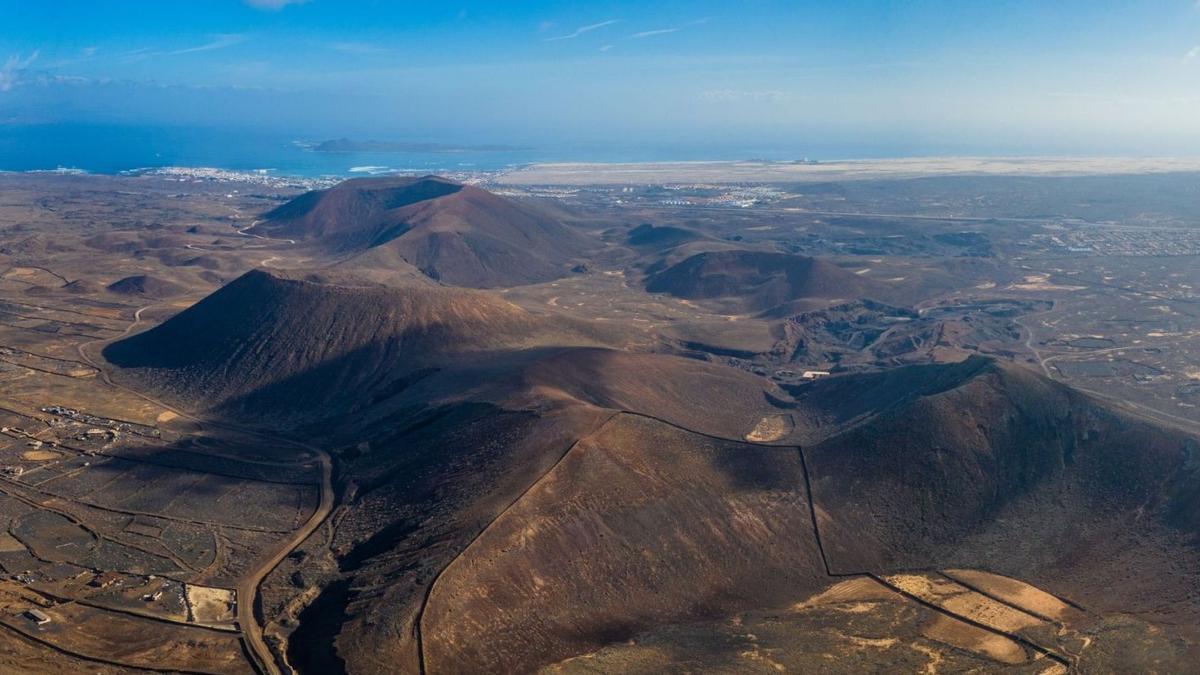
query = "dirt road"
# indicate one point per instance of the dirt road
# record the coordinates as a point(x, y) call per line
point(247, 587)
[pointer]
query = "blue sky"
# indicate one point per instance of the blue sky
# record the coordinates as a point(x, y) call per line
point(998, 77)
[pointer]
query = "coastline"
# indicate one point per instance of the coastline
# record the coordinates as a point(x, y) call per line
point(756, 171)
point(578, 174)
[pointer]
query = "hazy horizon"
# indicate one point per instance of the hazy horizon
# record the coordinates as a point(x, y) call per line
point(863, 79)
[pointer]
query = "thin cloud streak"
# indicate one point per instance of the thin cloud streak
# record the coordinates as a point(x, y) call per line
point(651, 33)
point(582, 29)
point(219, 41)
point(273, 5)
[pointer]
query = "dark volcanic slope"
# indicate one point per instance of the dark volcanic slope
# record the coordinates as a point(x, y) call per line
point(642, 523)
point(284, 340)
point(678, 390)
point(146, 285)
point(988, 465)
point(458, 234)
point(755, 281)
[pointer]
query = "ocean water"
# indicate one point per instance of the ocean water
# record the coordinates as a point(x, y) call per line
point(110, 149)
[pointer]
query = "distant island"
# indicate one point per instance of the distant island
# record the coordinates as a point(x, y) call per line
point(347, 145)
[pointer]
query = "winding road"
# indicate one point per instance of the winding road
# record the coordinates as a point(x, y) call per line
point(247, 589)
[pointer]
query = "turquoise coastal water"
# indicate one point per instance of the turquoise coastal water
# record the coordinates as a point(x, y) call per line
point(110, 149)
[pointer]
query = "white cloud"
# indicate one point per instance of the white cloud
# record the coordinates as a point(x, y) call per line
point(14, 68)
point(1192, 54)
point(273, 5)
point(650, 33)
point(583, 29)
point(605, 48)
point(219, 41)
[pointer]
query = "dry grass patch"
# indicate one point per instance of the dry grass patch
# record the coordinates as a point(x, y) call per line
point(1029, 598)
point(974, 639)
point(771, 428)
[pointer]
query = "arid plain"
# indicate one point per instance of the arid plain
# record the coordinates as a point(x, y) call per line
point(781, 420)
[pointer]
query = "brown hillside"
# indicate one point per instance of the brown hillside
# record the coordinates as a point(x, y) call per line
point(639, 524)
point(756, 281)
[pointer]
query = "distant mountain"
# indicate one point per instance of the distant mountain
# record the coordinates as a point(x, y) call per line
point(347, 145)
point(147, 286)
point(757, 281)
point(662, 237)
point(457, 234)
point(81, 287)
